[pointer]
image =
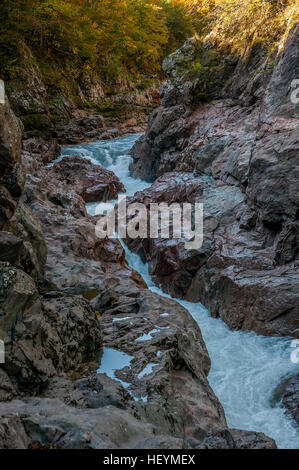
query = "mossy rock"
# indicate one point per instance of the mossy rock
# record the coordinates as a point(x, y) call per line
point(203, 68)
point(39, 122)
point(90, 294)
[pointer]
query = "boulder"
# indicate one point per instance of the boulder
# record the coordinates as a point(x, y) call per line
point(50, 423)
point(27, 227)
point(287, 395)
point(10, 136)
point(11, 248)
point(92, 182)
point(42, 335)
point(162, 396)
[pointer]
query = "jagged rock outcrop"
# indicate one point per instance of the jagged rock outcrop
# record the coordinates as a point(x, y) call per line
point(43, 335)
point(287, 395)
point(241, 150)
point(92, 182)
point(12, 177)
point(27, 228)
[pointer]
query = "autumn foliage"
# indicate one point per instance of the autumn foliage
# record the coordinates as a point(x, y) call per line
point(129, 37)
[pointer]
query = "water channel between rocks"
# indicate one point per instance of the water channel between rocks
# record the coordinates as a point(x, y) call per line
point(246, 367)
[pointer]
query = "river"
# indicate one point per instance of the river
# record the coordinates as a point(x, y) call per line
point(246, 367)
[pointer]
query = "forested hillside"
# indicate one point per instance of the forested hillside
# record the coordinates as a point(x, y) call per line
point(130, 37)
point(110, 36)
point(61, 55)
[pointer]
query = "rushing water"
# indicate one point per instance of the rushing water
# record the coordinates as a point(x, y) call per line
point(246, 367)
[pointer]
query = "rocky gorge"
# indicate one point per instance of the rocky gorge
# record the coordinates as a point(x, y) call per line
point(238, 155)
point(70, 301)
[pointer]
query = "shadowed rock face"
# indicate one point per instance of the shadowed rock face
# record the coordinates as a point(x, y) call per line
point(43, 335)
point(240, 154)
point(50, 423)
point(287, 394)
point(12, 177)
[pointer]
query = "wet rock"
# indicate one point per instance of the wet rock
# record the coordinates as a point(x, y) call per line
point(166, 380)
point(53, 336)
point(12, 178)
point(169, 362)
point(10, 136)
point(92, 182)
point(37, 152)
point(27, 227)
point(287, 395)
point(263, 301)
point(110, 134)
point(28, 94)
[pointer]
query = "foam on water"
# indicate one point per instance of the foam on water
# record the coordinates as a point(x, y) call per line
point(246, 367)
point(112, 155)
point(147, 336)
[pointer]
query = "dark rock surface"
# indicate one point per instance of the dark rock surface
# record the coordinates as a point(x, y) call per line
point(80, 110)
point(239, 154)
point(43, 335)
point(83, 128)
point(27, 227)
point(287, 394)
point(52, 423)
point(92, 182)
point(11, 175)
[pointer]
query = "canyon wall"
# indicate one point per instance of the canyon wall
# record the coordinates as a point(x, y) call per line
point(226, 134)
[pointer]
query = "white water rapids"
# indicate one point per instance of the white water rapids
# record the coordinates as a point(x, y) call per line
point(246, 368)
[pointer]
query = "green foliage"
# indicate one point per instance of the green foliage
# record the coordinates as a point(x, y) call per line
point(110, 37)
point(127, 38)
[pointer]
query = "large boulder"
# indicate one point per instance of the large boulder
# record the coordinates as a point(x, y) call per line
point(43, 335)
point(92, 182)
